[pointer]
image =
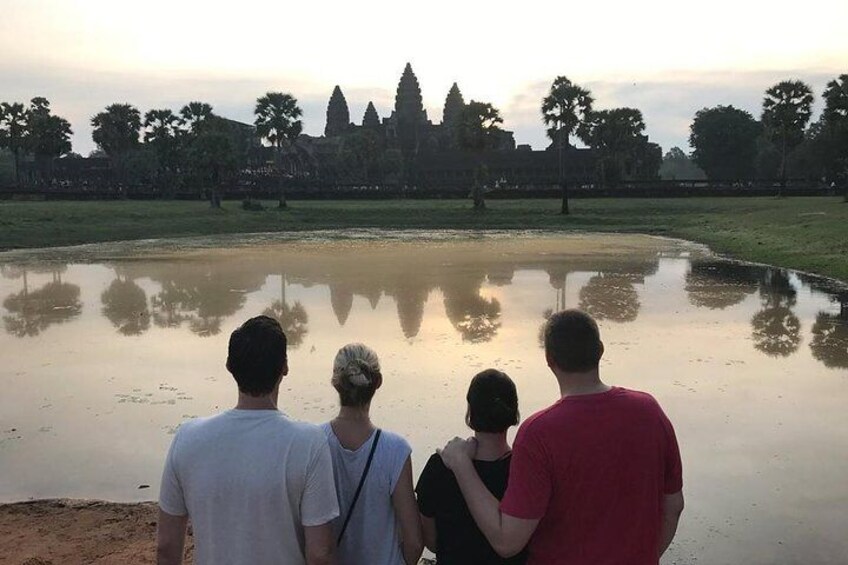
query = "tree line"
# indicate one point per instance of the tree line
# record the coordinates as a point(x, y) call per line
point(730, 144)
point(195, 148)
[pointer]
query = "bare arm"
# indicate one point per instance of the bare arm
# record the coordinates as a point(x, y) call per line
point(406, 510)
point(170, 538)
point(319, 544)
point(506, 534)
point(428, 527)
point(672, 508)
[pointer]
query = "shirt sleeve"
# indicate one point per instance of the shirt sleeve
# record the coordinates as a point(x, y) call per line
point(673, 466)
point(171, 496)
point(426, 487)
point(401, 451)
point(319, 504)
point(530, 483)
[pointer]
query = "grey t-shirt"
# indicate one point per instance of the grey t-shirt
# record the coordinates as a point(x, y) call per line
point(250, 480)
point(372, 536)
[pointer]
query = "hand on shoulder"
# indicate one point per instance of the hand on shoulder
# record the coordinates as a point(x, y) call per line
point(458, 452)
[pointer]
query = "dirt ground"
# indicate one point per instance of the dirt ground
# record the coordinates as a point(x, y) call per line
point(67, 532)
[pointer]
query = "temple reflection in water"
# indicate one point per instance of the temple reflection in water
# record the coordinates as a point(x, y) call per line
point(207, 293)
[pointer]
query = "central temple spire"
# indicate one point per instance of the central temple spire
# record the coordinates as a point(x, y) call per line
point(338, 115)
point(408, 103)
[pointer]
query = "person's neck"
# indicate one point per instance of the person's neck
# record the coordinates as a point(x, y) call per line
point(491, 446)
point(263, 402)
point(355, 415)
point(581, 384)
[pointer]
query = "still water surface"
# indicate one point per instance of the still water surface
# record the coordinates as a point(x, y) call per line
point(105, 350)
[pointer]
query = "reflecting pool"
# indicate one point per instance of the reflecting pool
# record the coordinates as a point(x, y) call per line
point(107, 349)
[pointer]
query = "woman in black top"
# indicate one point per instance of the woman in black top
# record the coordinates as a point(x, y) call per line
point(449, 529)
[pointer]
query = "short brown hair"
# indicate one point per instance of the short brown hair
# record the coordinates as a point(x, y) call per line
point(573, 341)
point(257, 355)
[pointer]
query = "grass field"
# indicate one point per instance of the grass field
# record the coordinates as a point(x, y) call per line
point(809, 234)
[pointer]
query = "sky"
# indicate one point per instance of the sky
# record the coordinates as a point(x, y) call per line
point(667, 58)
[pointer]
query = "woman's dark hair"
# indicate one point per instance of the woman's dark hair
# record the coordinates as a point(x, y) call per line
point(256, 355)
point(492, 402)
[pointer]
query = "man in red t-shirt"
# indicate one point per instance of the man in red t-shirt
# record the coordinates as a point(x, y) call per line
point(595, 478)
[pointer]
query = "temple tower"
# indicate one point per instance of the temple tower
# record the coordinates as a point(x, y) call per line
point(338, 115)
point(454, 105)
point(371, 120)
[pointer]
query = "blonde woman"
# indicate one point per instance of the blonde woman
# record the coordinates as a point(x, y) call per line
point(378, 522)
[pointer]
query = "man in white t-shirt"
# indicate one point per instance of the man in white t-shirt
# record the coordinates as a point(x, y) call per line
point(257, 486)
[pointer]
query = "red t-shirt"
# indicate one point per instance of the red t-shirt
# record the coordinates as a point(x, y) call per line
point(594, 469)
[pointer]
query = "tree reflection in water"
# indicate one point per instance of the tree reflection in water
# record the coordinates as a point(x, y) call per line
point(31, 312)
point(611, 296)
point(125, 305)
point(776, 330)
point(830, 337)
point(720, 284)
point(477, 319)
point(293, 319)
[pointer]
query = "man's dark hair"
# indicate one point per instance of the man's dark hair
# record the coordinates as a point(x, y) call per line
point(492, 402)
point(573, 341)
point(257, 355)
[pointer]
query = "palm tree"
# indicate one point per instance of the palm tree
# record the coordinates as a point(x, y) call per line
point(116, 132)
point(13, 131)
point(195, 113)
point(48, 135)
point(277, 120)
point(162, 132)
point(478, 131)
point(564, 109)
point(787, 108)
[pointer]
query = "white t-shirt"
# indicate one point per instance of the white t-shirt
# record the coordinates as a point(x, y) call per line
point(249, 481)
point(372, 536)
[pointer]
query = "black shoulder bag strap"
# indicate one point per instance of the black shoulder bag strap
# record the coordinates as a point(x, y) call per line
point(359, 488)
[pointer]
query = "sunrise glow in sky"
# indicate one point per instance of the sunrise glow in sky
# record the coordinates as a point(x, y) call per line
point(667, 58)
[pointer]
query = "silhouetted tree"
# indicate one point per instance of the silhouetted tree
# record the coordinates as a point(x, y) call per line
point(564, 109)
point(787, 108)
point(215, 152)
point(478, 131)
point(13, 132)
point(162, 132)
point(195, 113)
point(617, 137)
point(116, 132)
point(48, 135)
point(724, 142)
point(277, 120)
point(835, 129)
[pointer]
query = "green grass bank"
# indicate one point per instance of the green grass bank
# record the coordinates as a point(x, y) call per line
point(809, 234)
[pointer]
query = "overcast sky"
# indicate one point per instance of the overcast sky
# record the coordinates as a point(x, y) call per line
point(667, 58)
